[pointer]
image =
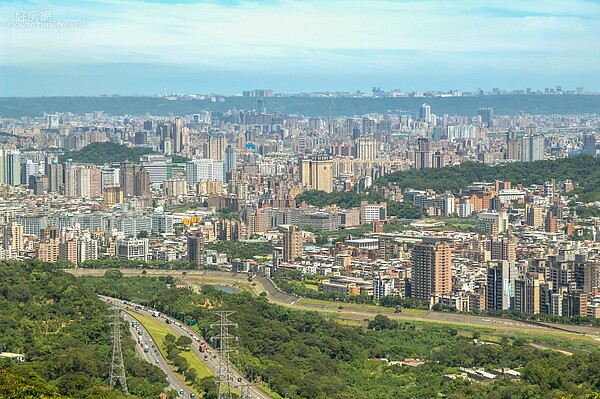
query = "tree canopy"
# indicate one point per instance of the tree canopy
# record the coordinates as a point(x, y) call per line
point(62, 329)
point(583, 171)
point(304, 354)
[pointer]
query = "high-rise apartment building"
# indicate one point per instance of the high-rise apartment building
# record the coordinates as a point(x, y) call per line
point(501, 275)
point(134, 180)
point(532, 145)
point(216, 147)
point(195, 248)
point(292, 242)
point(365, 149)
point(13, 236)
point(316, 172)
point(425, 112)
point(487, 116)
point(204, 170)
point(431, 270)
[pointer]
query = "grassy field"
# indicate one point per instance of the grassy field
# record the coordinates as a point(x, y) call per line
point(158, 331)
point(379, 309)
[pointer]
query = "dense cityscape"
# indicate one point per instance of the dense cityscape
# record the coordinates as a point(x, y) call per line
point(271, 179)
point(299, 199)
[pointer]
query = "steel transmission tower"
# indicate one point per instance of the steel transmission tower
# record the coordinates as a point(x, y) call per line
point(224, 377)
point(117, 367)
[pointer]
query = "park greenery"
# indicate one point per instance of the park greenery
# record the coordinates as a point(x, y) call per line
point(583, 171)
point(107, 152)
point(63, 330)
point(302, 354)
point(351, 199)
point(242, 249)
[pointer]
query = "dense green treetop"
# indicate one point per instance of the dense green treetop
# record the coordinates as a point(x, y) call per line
point(107, 152)
point(351, 199)
point(583, 170)
point(308, 355)
point(62, 329)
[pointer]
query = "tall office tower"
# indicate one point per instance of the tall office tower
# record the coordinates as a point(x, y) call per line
point(195, 247)
point(316, 171)
point(512, 145)
point(501, 275)
point(292, 242)
point(365, 149)
point(589, 144)
point(425, 112)
point(261, 108)
point(13, 236)
point(134, 180)
point(431, 270)
point(216, 147)
point(423, 154)
point(487, 116)
point(230, 161)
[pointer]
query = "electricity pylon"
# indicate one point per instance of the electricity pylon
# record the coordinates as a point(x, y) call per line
point(117, 367)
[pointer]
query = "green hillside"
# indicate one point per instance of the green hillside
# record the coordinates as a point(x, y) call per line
point(584, 171)
point(102, 153)
point(63, 330)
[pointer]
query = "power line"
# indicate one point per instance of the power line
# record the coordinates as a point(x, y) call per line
point(224, 373)
point(117, 367)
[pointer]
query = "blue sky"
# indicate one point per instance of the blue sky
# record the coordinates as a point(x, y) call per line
point(188, 46)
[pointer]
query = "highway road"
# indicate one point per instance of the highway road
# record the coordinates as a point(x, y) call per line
point(153, 356)
point(211, 358)
point(354, 313)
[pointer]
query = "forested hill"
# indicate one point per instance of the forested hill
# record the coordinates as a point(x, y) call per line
point(106, 153)
point(103, 153)
point(63, 330)
point(564, 104)
point(307, 355)
point(583, 170)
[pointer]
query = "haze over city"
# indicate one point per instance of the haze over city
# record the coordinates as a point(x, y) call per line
point(147, 47)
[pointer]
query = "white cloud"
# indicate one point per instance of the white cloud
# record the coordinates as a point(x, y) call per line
point(313, 34)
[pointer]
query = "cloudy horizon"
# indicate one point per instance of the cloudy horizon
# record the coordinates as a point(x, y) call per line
point(146, 47)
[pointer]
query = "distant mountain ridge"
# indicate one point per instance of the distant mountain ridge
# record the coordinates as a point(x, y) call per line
point(563, 104)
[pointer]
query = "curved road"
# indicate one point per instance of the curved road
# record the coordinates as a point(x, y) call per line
point(210, 357)
point(153, 356)
point(353, 312)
